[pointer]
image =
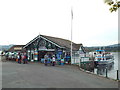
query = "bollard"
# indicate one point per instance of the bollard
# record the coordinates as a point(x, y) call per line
point(106, 73)
point(117, 74)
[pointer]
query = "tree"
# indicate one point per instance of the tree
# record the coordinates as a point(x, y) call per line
point(114, 5)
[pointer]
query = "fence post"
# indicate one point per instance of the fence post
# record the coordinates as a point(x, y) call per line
point(117, 74)
point(106, 73)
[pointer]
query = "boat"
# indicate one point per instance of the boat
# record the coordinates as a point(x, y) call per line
point(103, 58)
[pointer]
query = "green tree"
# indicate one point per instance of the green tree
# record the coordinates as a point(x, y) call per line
point(114, 5)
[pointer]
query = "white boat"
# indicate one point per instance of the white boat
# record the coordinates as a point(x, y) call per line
point(102, 57)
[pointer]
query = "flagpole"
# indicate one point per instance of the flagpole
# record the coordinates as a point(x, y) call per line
point(71, 31)
point(39, 35)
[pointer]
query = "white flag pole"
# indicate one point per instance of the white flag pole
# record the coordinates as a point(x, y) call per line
point(71, 32)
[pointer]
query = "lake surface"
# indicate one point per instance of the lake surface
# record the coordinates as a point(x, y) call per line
point(111, 69)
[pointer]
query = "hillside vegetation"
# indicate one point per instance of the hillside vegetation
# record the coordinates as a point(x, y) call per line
point(110, 48)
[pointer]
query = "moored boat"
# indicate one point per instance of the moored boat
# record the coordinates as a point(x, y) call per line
point(102, 57)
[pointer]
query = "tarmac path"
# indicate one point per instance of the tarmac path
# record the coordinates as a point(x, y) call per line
point(36, 75)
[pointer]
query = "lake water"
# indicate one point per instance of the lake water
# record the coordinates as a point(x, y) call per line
point(111, 69)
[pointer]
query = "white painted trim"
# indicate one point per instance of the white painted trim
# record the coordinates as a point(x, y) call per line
point(42, 38)
point(30, 42)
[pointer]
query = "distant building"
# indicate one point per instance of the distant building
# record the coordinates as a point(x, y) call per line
point(5, 47)
point(42, 44)
point(16, 48)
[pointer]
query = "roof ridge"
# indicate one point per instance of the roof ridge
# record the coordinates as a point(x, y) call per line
point(60, 42)
point(58, 38)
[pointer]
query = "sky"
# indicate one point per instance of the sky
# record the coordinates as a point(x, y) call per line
point(92, 24)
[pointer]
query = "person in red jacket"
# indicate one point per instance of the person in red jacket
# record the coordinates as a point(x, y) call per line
point(24, 58)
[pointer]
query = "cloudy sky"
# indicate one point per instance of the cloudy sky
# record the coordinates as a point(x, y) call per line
point(93, 24)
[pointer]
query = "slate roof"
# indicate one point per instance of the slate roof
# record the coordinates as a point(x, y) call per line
point(63, 43)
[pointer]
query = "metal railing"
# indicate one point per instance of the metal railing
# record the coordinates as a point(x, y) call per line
point(105, 72)
point(108, 72)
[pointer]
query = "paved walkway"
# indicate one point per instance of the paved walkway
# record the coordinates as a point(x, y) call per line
point(36, 75)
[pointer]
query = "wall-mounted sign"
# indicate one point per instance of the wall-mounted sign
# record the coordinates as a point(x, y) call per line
point(17, 48)
point(50, 49)
point(46, 49)
point(42, 48)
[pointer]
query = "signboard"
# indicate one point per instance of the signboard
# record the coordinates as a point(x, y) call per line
point(46, 49)
point(43, 48)
point(17, 48)
point(50, 49)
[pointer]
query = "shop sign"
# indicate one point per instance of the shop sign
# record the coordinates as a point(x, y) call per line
point(46, 49)
point(17, 48)
point(50, 49)
point(42, 48)
point(59, 50)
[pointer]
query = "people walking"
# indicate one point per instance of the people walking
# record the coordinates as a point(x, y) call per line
point(53, 60)
point(46, 59)
point(24, 58)
point(19, 58)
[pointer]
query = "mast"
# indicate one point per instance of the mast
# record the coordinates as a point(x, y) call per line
point(71, 30)
point(39, 34)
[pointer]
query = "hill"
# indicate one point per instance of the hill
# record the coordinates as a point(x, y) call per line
point(109, 48)
point(5, 47)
